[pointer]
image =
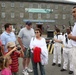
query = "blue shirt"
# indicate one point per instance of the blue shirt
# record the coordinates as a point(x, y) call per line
point(7, 37)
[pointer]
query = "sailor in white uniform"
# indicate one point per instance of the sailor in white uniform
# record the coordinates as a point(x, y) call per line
point(57, 48)
point(67, 53)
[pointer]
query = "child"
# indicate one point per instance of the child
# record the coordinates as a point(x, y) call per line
point(14, 56)
point(4, 65)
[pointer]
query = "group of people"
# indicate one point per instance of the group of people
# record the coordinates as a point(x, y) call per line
point(33, 46)
point(59, 41)
point(68, 40)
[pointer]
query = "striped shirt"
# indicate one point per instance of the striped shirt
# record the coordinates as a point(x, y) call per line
point(15, 64)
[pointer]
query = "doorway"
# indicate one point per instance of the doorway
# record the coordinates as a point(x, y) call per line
point(39, 25)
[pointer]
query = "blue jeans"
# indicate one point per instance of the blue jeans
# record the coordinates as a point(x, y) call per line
point(35, 67)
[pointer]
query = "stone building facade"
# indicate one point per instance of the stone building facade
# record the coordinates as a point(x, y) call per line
point(15, 13)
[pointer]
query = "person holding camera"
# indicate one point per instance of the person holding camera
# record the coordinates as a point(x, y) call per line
point(14, 56)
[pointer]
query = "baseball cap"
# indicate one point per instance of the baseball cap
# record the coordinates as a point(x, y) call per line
point(11, 44)
point(28, 23)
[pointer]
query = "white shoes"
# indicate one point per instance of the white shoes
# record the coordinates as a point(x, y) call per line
point(27, 71)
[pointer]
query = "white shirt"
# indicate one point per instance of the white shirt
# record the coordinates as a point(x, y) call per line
point(74, 34)
point(60, 37)
point(44, 51)
point(66, 44)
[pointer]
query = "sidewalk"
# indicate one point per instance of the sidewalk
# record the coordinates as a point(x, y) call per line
point(50, 70)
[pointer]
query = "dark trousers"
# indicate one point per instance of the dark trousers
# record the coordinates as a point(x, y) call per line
point(35, 67)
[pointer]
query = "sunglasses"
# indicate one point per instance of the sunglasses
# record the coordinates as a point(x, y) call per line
point(36, 32)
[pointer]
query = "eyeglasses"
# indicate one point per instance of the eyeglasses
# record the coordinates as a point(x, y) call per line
point(36, 32)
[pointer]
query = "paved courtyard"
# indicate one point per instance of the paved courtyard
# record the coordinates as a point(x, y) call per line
point(50, 70)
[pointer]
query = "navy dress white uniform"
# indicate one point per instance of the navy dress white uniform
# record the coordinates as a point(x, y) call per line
point(74, 48)
point(57, 50)
point(67, 54)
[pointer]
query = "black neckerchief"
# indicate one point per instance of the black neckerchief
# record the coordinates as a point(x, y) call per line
point(57, 35)
point(66, 39)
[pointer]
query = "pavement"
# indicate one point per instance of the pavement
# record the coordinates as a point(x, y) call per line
point(49, 69)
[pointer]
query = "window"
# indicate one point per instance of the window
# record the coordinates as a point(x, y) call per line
point(64, 7)
point(3, 4)
point(64, 16)
point(48, 6)
point(39, 16)
point(21, 15)
point(39, 5)
point(30, 16)
point(3, 15)
point(71, 17)
point(21, 4)
point(12, 4)
point(56, 6)
point(47, 15)
point(56, 16)
point(12, 15)
point(31, 5)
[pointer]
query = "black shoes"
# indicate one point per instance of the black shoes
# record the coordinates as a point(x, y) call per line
point(63, 70)
point(70, 72)
point(53, 64)
point(59, 65)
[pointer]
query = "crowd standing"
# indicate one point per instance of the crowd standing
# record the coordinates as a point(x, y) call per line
point(33, 46)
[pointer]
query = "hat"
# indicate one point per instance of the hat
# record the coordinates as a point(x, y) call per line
point(11, 44)
point(28, 23)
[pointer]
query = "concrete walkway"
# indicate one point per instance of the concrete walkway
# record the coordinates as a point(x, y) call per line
point(50, 70)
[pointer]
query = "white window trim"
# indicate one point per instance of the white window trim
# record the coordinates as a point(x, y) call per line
point(47, 15)
point(3, 4)
point(21, 15)
point(3, 15)
point(30, 16)
point(39, 16)
point(12, 4)
point(64, 16)
point(56, 16)
point(21, 4)
point(12, 15)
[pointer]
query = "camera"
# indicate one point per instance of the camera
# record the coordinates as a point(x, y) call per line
point(18, 48)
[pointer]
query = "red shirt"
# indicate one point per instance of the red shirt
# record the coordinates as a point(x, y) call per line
point(15, 64)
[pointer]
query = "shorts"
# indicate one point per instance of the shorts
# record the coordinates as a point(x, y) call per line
point(27, 53)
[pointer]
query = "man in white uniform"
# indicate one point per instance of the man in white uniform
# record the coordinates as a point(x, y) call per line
point(67, 52)
point(72, 36)
point(57, 48)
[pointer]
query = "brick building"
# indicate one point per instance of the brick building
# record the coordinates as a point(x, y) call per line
point(14, 11)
